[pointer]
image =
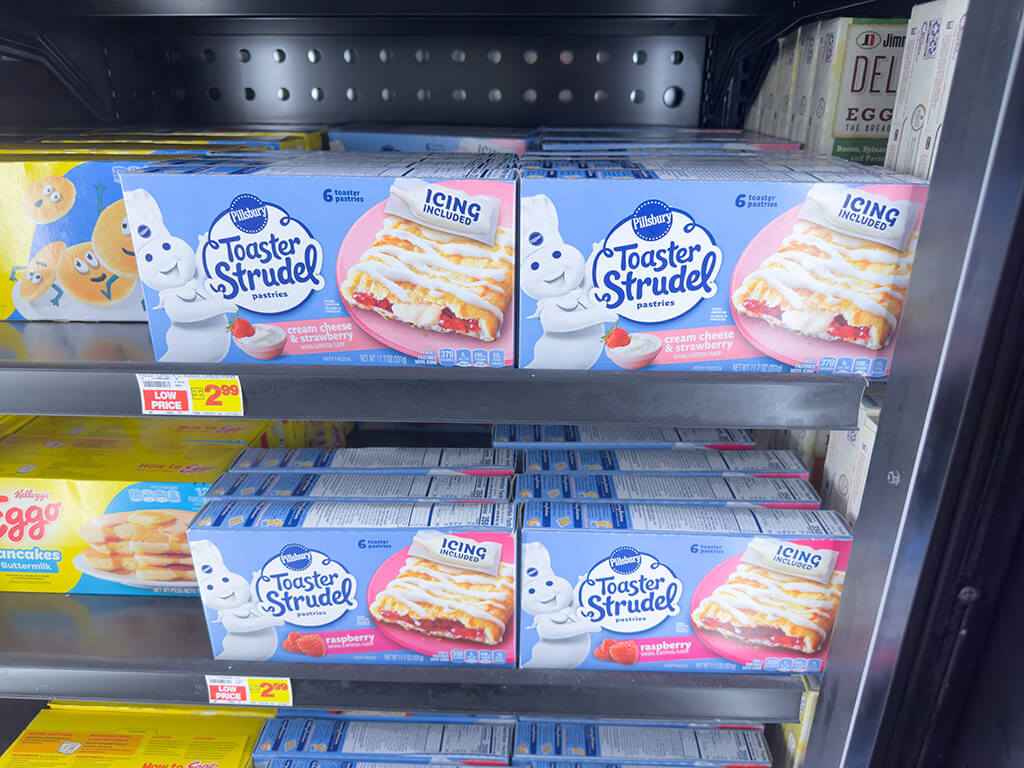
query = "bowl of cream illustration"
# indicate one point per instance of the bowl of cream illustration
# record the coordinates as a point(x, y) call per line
point(638, 353)
point(265, 343)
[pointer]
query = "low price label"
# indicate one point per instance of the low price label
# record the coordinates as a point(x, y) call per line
point(190, 395)
point(257, 691)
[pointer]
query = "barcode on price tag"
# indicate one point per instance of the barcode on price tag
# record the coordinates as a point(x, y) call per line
point(257, 691)
point(177, 395)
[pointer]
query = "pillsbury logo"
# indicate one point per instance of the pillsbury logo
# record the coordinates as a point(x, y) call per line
point(260, 258)
point(629, 591)
point(651, 220)
point(624, 560)
point(248, 213)
point(305, 587)
point(655, 265)
point(296, 557)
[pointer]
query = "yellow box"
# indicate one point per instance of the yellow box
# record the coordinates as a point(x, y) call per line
point(89, 520)
point(197, 710)
point(9, 425)
point(70, 738)
point(265, 143)
point(795, 736)
point(313, 137)
point(160, 429)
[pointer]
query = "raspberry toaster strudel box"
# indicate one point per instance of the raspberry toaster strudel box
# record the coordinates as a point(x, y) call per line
point(784, 492)
point(693, 462)
point(674, 262)
point(556, 743)
point(329, 258)
point(410, 742)
point(571, 436)
point(689, 589)
point(86, 520)
point(360, 487)
point(380, 459)
point(400, 583)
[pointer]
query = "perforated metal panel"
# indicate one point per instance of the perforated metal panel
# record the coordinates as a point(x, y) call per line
point(273, 73)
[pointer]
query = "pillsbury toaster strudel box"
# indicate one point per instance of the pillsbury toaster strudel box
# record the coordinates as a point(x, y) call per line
point(770, 263)
point(410, 742)
point(330, 258)
point(689, 589)
point(409, 460)
point(591, 436)
point(560, 743)
point(374, 486)
point(396, 582)
point(735, 490)
point(696, 462)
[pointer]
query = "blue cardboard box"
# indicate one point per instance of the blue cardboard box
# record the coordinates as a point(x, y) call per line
point(776, 262)
point(686, 589)
point(329, 258)
point(363, 583)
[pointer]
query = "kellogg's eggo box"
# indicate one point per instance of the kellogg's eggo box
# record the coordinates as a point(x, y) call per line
point(770, 263)
point(686, 589)
point(330, 258)
point(358, 583)
point(85, 520)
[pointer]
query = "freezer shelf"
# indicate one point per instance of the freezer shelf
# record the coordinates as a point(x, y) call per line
point(89, 369)
point(151, 649)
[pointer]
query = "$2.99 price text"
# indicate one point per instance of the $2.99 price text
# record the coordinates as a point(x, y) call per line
point(190, 395)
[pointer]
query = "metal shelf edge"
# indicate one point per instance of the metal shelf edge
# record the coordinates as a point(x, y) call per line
point(754, 400)
point(665, 696)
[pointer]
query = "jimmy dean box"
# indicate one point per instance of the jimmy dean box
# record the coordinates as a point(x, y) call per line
point(771, 263)
point(689, 589)
point(856, 77)
point(670, 489)
point(695, 462)
point(330, 258)
point(380, 459)
point(612, 437)
point(375, 583)
point(360, 487)
point(458, 743)
point(356, 137)
point(85, 520)
point(75, 738)
point(558, 743)
point(161, 429)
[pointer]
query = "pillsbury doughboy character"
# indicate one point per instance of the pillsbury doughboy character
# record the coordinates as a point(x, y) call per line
point(250, 633)
point(554, 273)
point(563, 636)
point(198, 330)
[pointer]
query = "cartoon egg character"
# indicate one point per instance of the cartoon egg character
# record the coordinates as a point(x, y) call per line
point(40, 272)
point(86, 280)
point(112, 241)
point(47, 199)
